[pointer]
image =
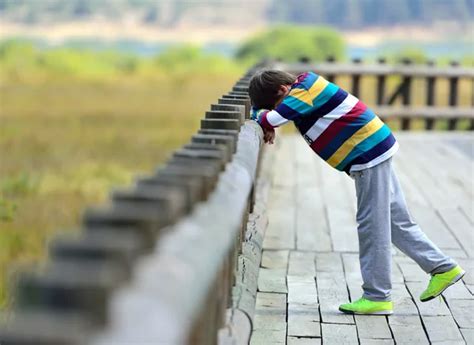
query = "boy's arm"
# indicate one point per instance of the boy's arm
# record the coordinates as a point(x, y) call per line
point(292, 106)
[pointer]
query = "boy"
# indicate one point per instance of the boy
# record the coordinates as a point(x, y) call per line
point(351, 138)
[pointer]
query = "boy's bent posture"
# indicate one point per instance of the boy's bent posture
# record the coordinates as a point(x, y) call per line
point(351, 138)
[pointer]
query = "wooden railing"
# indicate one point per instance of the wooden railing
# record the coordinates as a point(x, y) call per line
point(174, 258)
point(421, 101)
point(164, 263)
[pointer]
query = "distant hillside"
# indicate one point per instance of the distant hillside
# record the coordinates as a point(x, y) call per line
point(347, 14)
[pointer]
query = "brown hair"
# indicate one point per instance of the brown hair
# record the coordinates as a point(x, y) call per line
point(265, 85)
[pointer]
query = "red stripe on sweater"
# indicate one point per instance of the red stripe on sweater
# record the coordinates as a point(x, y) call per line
point(337, 125)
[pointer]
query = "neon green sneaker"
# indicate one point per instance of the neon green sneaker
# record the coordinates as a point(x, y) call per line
point(440, 282)
point(364, 306)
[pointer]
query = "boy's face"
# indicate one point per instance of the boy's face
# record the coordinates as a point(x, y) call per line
point(282, 93)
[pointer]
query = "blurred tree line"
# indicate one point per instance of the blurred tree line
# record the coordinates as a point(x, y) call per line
point(341, 13)
point(360, 13)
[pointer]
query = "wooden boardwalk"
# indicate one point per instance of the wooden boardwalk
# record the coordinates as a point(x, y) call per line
point(310, 261)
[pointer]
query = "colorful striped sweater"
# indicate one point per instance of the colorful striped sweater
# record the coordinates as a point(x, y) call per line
point(336, 125)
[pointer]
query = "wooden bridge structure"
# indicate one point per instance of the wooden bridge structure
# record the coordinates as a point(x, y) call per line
point(234, 242)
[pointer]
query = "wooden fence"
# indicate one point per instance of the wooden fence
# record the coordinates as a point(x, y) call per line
point(406, 72)
point(174, 258)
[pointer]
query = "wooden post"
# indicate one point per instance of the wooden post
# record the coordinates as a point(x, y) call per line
point(356, 79)
point(430, 96)
point(381, 84)
point(331, 77)
point(453, 96)
point(406, 94)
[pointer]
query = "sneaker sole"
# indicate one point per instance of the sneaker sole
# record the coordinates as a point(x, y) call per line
point(454, 281)
point(383, 312)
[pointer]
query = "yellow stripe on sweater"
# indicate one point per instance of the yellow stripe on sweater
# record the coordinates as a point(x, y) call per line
point(318, 87)
point(370, 128)
point(307, 96)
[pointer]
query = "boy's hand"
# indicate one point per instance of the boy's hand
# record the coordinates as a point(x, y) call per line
point(268, 135)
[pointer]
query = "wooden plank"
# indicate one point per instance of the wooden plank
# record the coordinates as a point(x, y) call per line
point(372, 327)
point(434, 227)
point(302, 290)
point(305, 325)
point(312, 229)
point(405, 323)
point(461, 227)
point(442, 329)
point(339, 334)
point(462, 312)
point(275, 259)
point(269, 323)
point(328, 262)
point(341, 215)
point(301, 264)
point(376, 341)
point(303, 341)
point(412, 272)
point(408, 330)
point(280, 233)
point(263, 337)
point(332, 292)
point(272, 280)
point(468, 335)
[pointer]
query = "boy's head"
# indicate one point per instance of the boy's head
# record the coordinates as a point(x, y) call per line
point(268, 88)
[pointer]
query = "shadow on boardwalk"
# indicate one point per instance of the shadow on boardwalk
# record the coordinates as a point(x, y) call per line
point(310, 261)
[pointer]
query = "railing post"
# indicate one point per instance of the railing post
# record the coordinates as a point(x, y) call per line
point(430, 96)
point(381, 84)
point(356, 79)
point(453, 96)
point(331, 77)
point(406, 94)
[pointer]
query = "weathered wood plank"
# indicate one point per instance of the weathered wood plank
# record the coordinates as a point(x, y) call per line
point(328, 262)
point(442, 329)
point(280, 233)
point(405, 323)
point(462, 312)
point(412, 272)
point(305, 325)
point(461, 227)
point(339, 334)
point(376, 341)
point(272, 280)
point(373, 327)
point(332, 292)
point(468, 335)
point(270, 319)
point(303, 341)
point(341, 216)
point(263, 337)
point(312, 229)
point(301, 264)
point(275, 259)
point(302, 290)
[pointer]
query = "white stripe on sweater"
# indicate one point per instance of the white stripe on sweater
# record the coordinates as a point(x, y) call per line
point(321, 124)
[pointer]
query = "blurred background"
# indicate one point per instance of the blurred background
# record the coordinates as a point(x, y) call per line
point(93, 92)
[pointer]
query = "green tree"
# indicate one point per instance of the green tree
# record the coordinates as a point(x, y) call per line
point(292, 42)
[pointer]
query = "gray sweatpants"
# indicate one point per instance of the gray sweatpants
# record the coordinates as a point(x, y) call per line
point(383, 218)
